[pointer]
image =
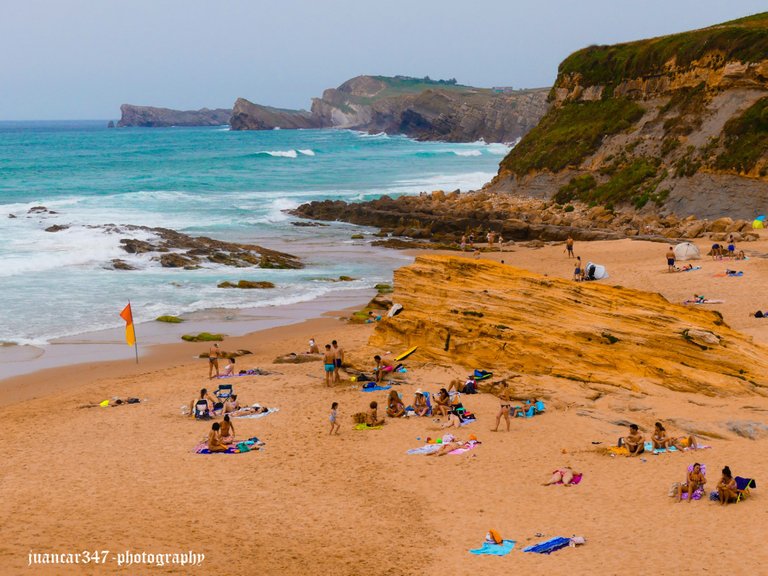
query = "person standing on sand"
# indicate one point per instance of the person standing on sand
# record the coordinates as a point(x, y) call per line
point(333, 418)
point(504, 407)
point(577, 269)
point(490, 237)
point(569, 246)
point(213, 360)
point(501, 243)
point(338, 360)
point(671, 260)
point(329, 364)
point(471, 239)
point(463, 244)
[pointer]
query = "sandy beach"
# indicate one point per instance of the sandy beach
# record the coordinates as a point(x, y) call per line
point(126, 479)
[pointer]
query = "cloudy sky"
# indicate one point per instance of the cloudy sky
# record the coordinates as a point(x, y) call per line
point(78, 59)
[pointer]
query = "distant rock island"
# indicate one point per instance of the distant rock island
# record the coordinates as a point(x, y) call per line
point(151, 117)
point(421, 108)
point(677, 123)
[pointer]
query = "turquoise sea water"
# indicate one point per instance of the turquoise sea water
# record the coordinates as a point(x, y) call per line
point(202, 181)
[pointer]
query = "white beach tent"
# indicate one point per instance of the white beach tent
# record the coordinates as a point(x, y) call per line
point(595, 271)
point(687, 251)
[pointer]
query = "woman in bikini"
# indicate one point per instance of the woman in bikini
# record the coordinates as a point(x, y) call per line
point(726, 488)
point(227, 431)
point(420, 403)
point(562, 475)
point(695, 480)
point(442, 403)
point(504, 407)
point(395, 407)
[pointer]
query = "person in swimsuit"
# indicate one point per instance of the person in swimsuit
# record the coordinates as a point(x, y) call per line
point(635, 442)
point(214, 439)
point(313, 349)
point(227, 431)
point(204, 395)
point(504, 407)
point(338, 360)
point(229, 369)
point(333, 417)
point(395, 407)
point(523, 410)
point(577, 270)
point(569, 246)
point(463, 244)
point(373, 416)
point(420, 407)
point(694, 480)
point(671, 260)
point(442, 403)
point(382, 366)
point(562, 475)
point(726, 488)
point(213, 360)
point(329, 362)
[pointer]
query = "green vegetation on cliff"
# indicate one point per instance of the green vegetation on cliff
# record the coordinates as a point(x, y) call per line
point(568, 134)
point(744, 40)
point(745, 139)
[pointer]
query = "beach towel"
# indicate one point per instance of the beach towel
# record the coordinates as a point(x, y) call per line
point(691, 269)
point(374, 388)
point(731, 275)
point(494, 549)
point(426, 449)
point(260, 414)
point(249, 372)
point(703, 301)
point(236, 448)
point(698, 494)
point(576, 479)
point(649, 448)
point(366, 427)
point(549, 546)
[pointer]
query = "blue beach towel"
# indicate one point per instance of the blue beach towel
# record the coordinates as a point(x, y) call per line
point(372, 387)
point(548, 546)
point(495, 549)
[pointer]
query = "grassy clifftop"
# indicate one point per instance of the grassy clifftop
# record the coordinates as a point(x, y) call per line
point(744, 40)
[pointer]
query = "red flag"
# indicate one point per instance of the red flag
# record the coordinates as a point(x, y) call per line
point(130, 334)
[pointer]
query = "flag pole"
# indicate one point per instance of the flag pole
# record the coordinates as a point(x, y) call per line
point(135, 340)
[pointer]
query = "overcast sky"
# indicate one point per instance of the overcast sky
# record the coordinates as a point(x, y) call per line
point(77, 59)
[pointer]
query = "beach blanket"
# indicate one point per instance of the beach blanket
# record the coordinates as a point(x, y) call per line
point(366, 427)
point(240, 447)
point(703, 301)
point(698, 494)
point(649, 448)
point(549, 546)
point(495, 549)
point(426, 449)
point(250, 372)
point(260, 414)
point(375, 388)
point(731, 275)
point(691, 269)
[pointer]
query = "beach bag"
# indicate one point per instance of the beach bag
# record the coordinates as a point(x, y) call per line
point(759, 314)
point(469, 387)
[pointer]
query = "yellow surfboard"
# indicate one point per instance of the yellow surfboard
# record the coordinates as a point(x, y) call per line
point(405, 354)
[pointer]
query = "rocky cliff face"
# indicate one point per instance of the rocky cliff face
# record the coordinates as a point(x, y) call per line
point(430, 111)
point(678, 122)
point(249, 116)
point(515, 322)
point(151, 117)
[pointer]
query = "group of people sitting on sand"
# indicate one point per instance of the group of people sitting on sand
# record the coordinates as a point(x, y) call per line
point(207, 406)
point(221, 436)
point(635, 441)
point(696, 479)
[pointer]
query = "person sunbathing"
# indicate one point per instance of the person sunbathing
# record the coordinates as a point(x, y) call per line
point(395, 406)
point(451, 443)
point(227, 431)
point(420, 407)
point(729, 272)
point(229, 369)
point(234, 409)
point(523, 410)
point(686, 267)
point(442, 403)
point(214, 439)
point(562, 476)
point(373, 416)
point(694, 480)
point(741, 255)
point(211, 403)
point(635, 442)
point(726, 488)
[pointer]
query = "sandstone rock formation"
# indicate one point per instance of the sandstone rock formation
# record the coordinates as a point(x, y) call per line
point(249, 116)
point(151, 117)
point(679, 121)
point(481, 314)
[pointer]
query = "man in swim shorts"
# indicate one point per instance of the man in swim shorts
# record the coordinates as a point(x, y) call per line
point(338, 360)
point(329, 362)
point(635, 442)
point(671, 260)
point(569, 246)
point(382, 366)
point(213, 360)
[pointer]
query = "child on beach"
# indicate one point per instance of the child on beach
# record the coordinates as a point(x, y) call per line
point(329, 362)
point(373, 416)
point(334, 417)
point(577, 272)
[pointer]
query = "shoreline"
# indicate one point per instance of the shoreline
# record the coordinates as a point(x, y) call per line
point(45, 380)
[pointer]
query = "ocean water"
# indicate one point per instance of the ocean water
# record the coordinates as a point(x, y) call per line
point(201, 181)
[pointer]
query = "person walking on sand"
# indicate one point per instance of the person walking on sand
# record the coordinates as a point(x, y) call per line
point(213, 360)
point(334, 418)
point(338, 360)
point(329, 364)
point(569, 246)
point(671, 260)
